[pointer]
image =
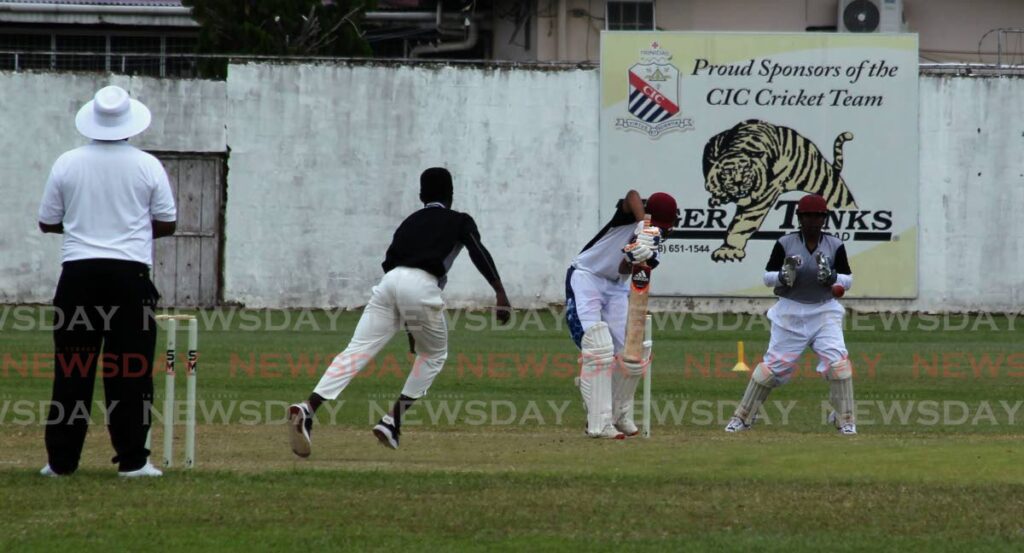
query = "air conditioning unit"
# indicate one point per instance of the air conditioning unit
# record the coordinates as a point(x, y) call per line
point(870, 16)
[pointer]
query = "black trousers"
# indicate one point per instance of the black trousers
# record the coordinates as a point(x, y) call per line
point(103, 320)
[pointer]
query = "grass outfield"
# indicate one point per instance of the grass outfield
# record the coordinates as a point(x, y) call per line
point(495, 459)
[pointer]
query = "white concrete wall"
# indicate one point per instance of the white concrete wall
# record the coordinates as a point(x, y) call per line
point(972, 194)
point(37, 114)
point(324, 162)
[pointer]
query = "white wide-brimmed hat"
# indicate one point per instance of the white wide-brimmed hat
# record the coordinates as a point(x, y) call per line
point(112, 115)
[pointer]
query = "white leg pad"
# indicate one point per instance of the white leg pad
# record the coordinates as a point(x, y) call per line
point(624, 383)
point(840, 384)
point(597, 364)
point(840, 370)
point(761, 383)
point(765, 377)
point(623, 395)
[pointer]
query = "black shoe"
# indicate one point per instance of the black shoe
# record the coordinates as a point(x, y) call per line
point(300, 427)
point(386, 432)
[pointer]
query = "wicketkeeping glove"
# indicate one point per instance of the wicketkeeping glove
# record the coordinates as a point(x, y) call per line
point(637, 252)
point(787, 276)
point(826, 274)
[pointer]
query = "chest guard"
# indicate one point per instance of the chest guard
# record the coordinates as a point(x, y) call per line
point(806, 288)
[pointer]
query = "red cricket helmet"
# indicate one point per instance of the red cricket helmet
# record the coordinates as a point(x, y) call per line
point(812, 203)
point(663, 210)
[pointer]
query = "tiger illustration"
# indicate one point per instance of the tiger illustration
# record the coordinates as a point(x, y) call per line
point(754, 163)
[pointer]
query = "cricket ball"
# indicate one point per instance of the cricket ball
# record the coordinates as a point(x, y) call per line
point(838, 290)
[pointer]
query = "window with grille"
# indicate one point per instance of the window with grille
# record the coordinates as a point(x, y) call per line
point(630, 16)
point(25, 43)
point(80, 53)
point(127, 54)
point(86, 50)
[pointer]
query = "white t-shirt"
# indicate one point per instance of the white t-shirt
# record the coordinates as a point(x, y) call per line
point(107, 194)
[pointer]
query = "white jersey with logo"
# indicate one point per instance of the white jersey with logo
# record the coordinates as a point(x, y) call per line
point(603, 254)
point(604, 257)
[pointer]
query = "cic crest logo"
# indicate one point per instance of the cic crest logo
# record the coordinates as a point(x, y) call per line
point(654, 96)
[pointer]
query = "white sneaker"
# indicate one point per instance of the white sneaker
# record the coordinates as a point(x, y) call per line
point(48, 472)
point(386, 432)
point(736, 424)
point(627, 427)
point(848, 429)
point(609, 432)
point(147, 470)
point(300, 429)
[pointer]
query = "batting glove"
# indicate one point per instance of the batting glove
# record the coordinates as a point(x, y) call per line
point(636, 252)
point(650, 237)
point(826, 274)
point(787, 276)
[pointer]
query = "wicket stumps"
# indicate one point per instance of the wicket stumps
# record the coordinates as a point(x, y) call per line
point(171, 323)
point(648, 346)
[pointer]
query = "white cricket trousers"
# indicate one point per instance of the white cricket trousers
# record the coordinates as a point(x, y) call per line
point(795, 326)
point(591, 299)
point(404, 297)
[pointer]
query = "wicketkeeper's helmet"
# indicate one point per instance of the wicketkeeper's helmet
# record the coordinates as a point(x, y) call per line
point(811, 203)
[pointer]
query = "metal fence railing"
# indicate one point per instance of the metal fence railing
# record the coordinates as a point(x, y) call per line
point(192, 65)
point(153, 64)
point(163, 55)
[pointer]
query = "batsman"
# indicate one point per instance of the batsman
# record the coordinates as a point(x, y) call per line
point(597, 287)
point(808, 271)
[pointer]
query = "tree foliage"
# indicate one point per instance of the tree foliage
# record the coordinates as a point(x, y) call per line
point(281, 27)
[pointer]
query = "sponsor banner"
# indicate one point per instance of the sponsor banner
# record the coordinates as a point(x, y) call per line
point(739, 126)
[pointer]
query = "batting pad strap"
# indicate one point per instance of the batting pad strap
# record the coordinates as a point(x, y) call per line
point(764, 376)
point(840, 370)
point(636, 369)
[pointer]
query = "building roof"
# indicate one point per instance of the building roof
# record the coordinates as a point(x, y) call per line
point(155, 3)
point(145, 13)
point(397, 4)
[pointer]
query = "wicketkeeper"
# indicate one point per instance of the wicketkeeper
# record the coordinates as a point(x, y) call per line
point(409, 295)
point(597, 301)
point(803, 268)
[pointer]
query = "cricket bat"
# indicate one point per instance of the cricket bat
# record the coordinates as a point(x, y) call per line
point(639, 285)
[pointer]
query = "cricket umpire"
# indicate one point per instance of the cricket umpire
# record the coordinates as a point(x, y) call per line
point(597, 304)
point(804, 268)
point(408, 295)
point(109, 200)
